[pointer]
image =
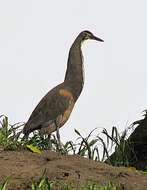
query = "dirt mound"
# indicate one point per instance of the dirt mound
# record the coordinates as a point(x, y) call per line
point(24, 165)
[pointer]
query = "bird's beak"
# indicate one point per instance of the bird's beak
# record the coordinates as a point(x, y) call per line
point(96, 38)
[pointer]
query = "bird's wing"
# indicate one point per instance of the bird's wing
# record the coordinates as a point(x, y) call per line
point(51, 109)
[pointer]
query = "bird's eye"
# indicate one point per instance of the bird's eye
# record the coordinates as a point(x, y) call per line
point(87, 35)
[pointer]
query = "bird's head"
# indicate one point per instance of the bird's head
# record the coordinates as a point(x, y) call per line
point(85, 35)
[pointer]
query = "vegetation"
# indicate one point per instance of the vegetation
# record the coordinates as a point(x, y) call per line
point(3, 186)
point(11, 138)
point(44, 184)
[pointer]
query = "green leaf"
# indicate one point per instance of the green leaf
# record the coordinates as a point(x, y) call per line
point(78, 133)
point(3, 187)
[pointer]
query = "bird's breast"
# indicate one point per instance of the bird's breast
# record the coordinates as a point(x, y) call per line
point(67, 94)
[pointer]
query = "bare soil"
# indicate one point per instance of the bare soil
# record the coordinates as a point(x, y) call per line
point(24, 165)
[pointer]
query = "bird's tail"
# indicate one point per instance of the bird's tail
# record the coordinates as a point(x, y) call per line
point(25, 130)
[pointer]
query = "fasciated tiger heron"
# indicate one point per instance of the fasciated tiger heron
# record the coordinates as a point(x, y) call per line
point(56, 106)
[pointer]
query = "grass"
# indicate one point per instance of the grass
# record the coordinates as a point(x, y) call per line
point(123, 149)
point(10, 134)
point(44, 184)
point(11, 139)
point(3, 186)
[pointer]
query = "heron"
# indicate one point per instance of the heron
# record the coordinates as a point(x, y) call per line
point(55, 107)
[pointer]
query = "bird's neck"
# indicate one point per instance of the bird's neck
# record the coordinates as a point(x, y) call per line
point(74, 77)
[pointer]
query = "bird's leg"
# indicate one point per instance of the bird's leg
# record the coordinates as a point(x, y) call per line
point(58, 134)
point(50, 143)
